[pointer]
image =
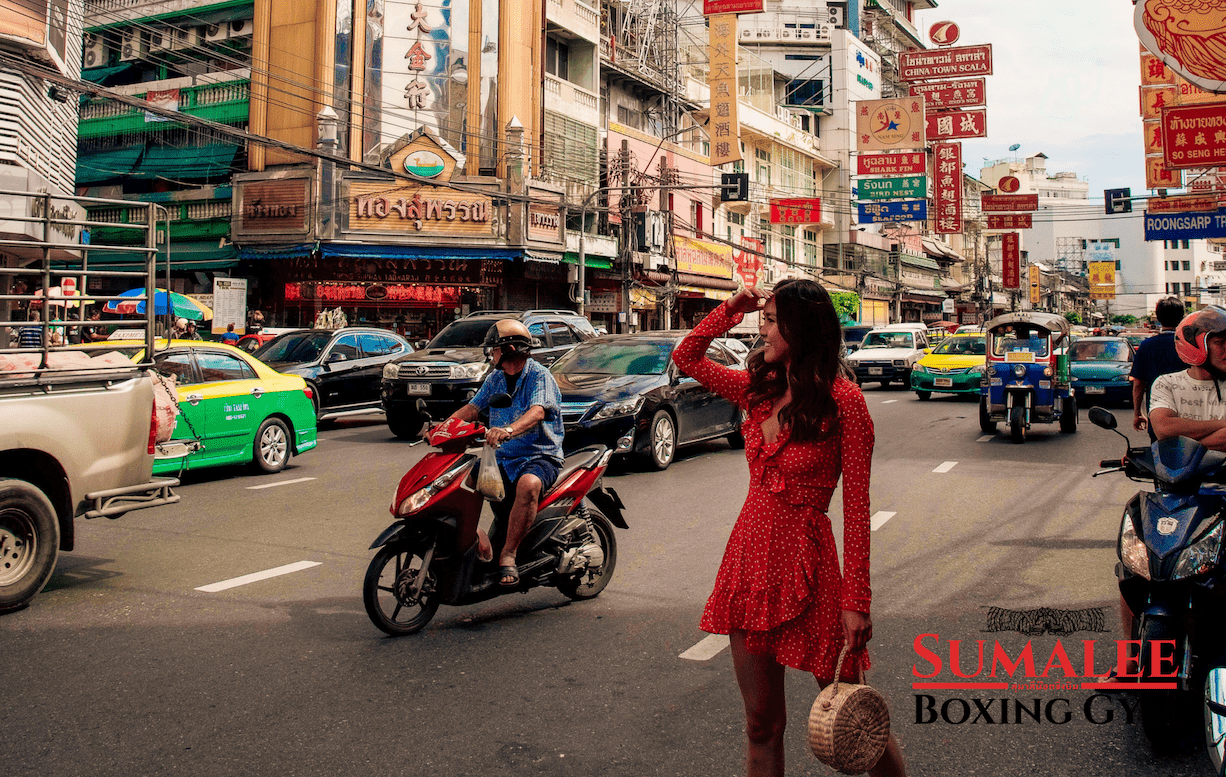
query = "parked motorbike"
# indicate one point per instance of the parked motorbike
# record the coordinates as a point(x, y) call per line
point(1171, 577)
point(429, 555)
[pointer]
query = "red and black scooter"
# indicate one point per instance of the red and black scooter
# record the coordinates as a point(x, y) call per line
point(428, 556)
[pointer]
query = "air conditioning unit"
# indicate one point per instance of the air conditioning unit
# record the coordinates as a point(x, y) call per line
point(216, 32)
point(132, 46)
point(186, 38)
point(240, 28)
point(159, 40)
point(836, 16)
point(94, 52)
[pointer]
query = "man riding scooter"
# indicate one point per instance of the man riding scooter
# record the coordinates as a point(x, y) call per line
point(528, 435)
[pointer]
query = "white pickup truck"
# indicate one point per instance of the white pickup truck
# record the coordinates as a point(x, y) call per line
point(76, 434)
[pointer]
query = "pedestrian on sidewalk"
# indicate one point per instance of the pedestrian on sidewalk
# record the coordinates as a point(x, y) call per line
point(1155, 357)
point(779, 594)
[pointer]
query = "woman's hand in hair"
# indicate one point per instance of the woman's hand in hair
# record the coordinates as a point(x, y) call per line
point(747, 300)
point(857, 629)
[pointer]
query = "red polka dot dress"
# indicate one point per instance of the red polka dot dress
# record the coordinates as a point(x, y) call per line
point(780, 578)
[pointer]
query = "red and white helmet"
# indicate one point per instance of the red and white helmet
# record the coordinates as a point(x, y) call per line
point(1195, 328)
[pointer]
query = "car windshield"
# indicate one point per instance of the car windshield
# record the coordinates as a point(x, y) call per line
point(462, 334)
point(1033, 341)
point(888, 340)
point(294, 347)
point(1100, 351)
point(616, 358)
point(962, 346)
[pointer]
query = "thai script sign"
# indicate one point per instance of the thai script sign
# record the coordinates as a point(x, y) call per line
point(699, 256)
point(1006, 202)
point(1202, 203)
point(421, 209)
point(711, 7)
point(893, 188)
point(355, 292)
point(947, 187)
point(1102, 277)
point(948, 125)
point(544, 223)
point(891, 164)
point(274, 206)
point(925, 65)
point(1011, 260)
point(952, 94)
point(1194, 136)
point(896, 210)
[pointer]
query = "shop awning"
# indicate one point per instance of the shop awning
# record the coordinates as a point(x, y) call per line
point(936, 247)
point(188, 255)
point(545, 257)
point(188, 162)
point(371, 251)
point(596, 262)
point(104, 165)
point(920, 261)
point(281, 252)
point(99, 75)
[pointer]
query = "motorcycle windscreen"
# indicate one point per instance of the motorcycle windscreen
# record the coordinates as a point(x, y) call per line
point(1180, 460)
point(1172, 522)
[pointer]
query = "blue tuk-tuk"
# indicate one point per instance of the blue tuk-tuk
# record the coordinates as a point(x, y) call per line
point(1024, 380)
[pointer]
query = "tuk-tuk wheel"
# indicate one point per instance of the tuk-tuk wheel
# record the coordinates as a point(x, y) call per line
point(986, 424)
point(1068, 415)
point(1017, 424)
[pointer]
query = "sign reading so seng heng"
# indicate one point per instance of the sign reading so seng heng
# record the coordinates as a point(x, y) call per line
point(1194, 136)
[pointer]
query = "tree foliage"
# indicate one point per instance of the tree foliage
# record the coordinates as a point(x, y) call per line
point(1123, 318)
point(1073, 317)
point(846, 304)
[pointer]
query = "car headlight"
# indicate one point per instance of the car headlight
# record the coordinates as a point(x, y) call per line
point(977, 369)
point(470, 371)
point(418, 499)
point(1201, 557)
point(1121, 377)
point(1019, 370)
point(1133, 551)
point(900, 362)
point(921, 368)
point(621, 407)
point(989, 369)
point(391, 371)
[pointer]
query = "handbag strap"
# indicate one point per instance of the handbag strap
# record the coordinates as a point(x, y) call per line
point(838, 669)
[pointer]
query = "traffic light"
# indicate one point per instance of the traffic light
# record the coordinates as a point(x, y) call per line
point(733, 187)
point(1118, 200)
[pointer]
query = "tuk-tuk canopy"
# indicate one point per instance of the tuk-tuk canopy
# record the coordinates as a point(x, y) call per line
point(1049, 321)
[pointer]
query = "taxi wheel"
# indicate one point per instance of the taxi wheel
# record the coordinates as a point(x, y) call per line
point(924, 395)
point(272, 446)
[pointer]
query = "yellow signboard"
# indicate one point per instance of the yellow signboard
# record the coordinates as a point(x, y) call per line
point(1036, 278)
point(893, 124)
point(1102, 280)
point(703, 258)
point(724, 125)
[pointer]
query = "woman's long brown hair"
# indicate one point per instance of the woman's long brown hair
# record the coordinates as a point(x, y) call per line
point(809, 324)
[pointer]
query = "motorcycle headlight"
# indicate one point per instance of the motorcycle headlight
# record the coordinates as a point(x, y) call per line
point(1132, 550)
point(391, 371)
point(470, 371)
point(1019, 370)
point(419, 498)
point(1200, 557)
point(621, 407)
point(989, 369)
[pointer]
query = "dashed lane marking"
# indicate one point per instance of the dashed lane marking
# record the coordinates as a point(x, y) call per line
point(946, 467)
point(986, 438)
point(255, 577)
point(889, 401)
point(707, 649)
point(278, 483)
point(879, 518)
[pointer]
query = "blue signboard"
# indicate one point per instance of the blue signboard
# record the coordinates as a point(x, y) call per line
point(1185, 226)
point(902, 210)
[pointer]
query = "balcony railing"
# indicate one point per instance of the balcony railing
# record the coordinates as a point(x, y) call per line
point(572, 100)
point(227, 103)
point(575, 16)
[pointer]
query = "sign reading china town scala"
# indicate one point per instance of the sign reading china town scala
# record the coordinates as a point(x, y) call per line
point(891, 124)
point(1187, 36)
point(1194, 136)
point(947, 187)
point(891, 164)
point(960, 93)
point(951, 125)
point(929, 64)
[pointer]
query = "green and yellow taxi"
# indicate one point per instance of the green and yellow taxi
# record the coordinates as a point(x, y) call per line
point(954, 366)
point(233, 408)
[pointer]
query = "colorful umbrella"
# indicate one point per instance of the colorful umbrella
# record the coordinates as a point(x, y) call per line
point(182, 306)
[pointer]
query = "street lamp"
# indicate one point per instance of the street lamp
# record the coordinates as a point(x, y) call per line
point(327, 127)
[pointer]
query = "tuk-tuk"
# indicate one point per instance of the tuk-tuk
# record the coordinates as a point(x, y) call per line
point(1024, 380)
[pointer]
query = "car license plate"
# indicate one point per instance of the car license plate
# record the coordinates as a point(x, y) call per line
point(1096, 390)
point(874, 370)
point(944, 382)
point(419, 389)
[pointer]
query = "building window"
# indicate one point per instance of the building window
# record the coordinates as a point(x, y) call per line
point(696, 217)
point(1187, 264)
point(1185, 244)
point(557, 58)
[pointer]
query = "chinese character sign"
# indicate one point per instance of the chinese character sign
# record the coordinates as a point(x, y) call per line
point(1011, 260)
point(1036, 278)
point(1009, 221)
point(889, 125)
point(1194, 136)
point(748, 264)
point(947, 125)
point(724, 125)
point(802, 210)
point(947, 187)
point(1102, 279)
point(891, 164)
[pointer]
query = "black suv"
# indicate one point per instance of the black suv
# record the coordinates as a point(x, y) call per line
point(447, 372)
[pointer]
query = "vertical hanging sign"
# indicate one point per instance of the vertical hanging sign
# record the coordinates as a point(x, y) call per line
point(724, 125)
point(1036, 278)
point(947, 187)
point(1011, 260)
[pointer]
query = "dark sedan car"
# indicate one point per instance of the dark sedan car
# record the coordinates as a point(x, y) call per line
point(624, 392)
point(1099, 368)
point(343, 367)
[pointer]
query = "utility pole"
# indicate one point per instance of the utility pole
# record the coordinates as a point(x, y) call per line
point(665, 208)
point(627, 232)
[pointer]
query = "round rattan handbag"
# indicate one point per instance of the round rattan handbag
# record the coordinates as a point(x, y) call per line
point(849, 724)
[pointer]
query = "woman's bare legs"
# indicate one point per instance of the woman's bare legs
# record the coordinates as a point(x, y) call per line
point(760, 678)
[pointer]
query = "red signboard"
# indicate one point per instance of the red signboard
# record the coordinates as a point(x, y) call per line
point(803, 210)
point(1202, 202)
point(892, 164)
point(711, 7)
point(748, 265)
point(952, 94)
point(1194, 136)
point(929, 64)
point(947, 187)
point(997, 203)
point(950, 125)
point(1011, 260)
point(944, 33)
point(1010, 221)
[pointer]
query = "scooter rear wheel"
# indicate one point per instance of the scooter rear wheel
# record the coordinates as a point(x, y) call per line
point(589, 583)
point(387, 590)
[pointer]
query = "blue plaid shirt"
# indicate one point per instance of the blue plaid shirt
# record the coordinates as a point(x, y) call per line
point(535, 386)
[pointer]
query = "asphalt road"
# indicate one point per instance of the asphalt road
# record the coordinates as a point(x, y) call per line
point(123, 667)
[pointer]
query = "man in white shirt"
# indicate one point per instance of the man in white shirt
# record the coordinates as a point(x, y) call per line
point(1190, 403)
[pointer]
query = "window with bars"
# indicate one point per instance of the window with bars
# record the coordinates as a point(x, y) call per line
point(570, 150)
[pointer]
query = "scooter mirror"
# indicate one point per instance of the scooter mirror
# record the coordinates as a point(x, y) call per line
point(1103, 419)
point(1215, 718)
point(420, 407)
point(500, 401)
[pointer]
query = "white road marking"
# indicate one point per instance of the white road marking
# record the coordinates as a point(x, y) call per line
point(255, 577)
point(889, 401)
point(279, 483)
point(879, 518)
point(707, 649)
point(946, 467)
point(986, 437)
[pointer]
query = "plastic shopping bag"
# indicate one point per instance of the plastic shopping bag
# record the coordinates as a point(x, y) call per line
point(489, 477)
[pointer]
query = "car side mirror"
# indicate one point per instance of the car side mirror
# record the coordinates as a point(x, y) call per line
point(927, 350)
point(336, 357)
point(501, 401)
point(420, 344)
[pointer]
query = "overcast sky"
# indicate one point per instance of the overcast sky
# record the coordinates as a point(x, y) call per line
point(1066, 79)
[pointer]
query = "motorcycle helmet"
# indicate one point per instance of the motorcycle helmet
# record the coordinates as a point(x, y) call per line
point(509, 335)
point(1194, 330)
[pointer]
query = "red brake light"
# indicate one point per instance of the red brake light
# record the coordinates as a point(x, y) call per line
point(309, 394)
point(153, 428)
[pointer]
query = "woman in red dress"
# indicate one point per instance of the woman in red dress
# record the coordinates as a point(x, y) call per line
point(779, 594)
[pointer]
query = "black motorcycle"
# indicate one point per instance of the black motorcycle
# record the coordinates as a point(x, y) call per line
point(1171, 577)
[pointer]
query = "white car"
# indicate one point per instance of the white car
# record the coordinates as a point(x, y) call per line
point(888, 354)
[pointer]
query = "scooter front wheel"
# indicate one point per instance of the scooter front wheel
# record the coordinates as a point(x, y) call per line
point(388, 591)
